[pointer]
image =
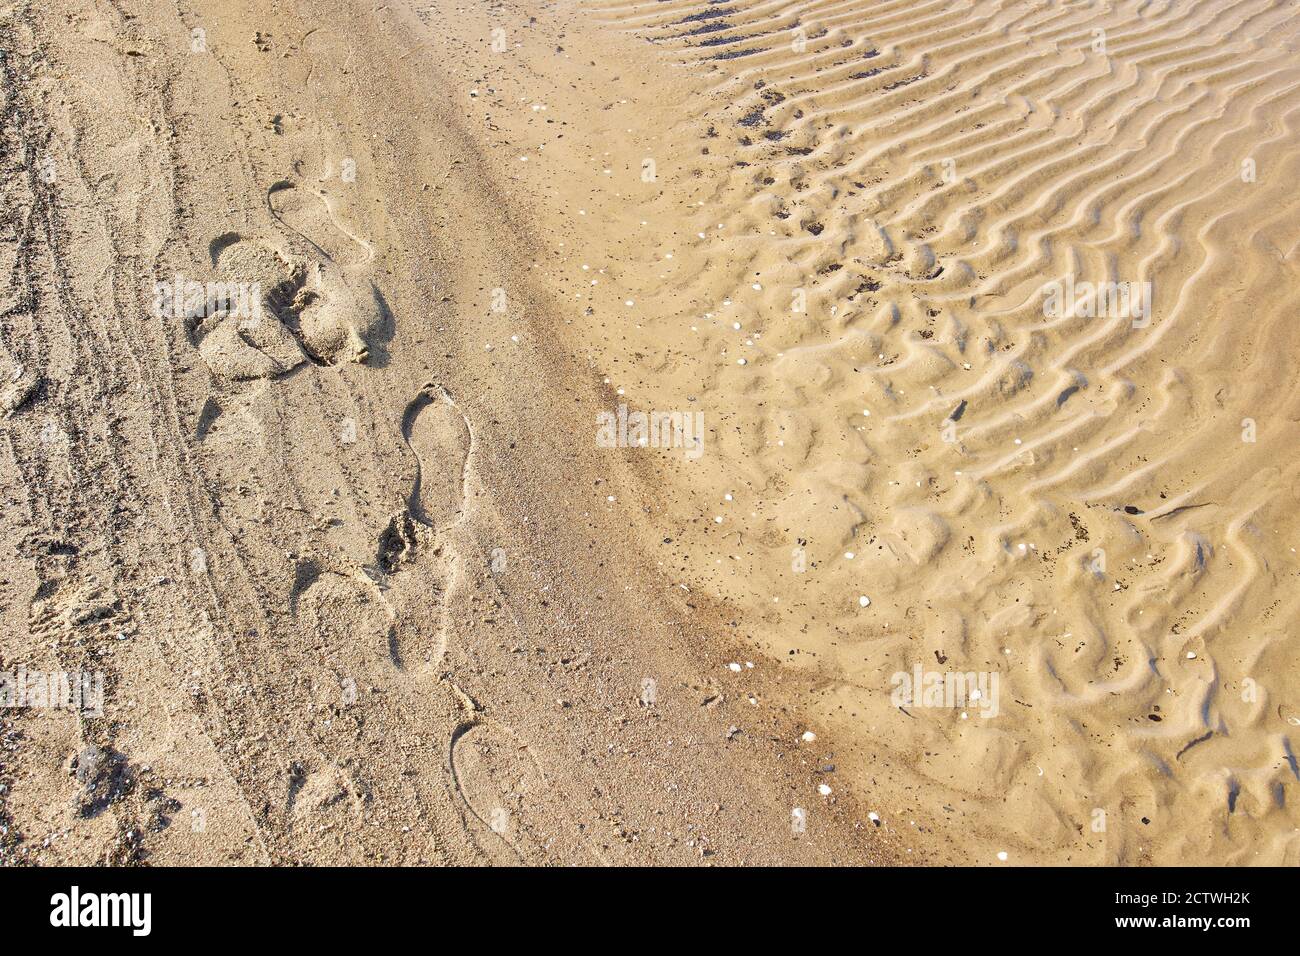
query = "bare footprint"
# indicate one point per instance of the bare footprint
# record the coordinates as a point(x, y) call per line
point(347, 621)
point(270, 311)
point(422, 533)
point(232, 321)
point(504, 789)
point(307, 212)
point(439, 437)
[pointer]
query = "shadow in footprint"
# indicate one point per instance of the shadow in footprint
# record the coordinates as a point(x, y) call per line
point(307, 212)
point(271, 311)
point(439, 437)
point(502, 784)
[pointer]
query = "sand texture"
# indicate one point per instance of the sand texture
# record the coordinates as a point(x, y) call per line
point(606, 433)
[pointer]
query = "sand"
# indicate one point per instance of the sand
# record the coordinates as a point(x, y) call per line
point(564, 433)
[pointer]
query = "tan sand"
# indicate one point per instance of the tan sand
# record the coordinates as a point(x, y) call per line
point(367, 581)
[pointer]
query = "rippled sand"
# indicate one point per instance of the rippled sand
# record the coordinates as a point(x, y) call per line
point(841, 263)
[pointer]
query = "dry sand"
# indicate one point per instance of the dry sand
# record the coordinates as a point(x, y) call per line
point(367, 584)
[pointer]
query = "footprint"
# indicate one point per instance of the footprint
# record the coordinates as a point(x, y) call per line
point(233, 321)
point(307, 212)
point(503, 787)
point(422, 535)
point(270, 311)
point(440, 440)
point(439, 437)
point(346, 619)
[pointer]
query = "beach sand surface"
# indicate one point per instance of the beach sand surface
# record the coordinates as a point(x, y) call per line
point(966, 329)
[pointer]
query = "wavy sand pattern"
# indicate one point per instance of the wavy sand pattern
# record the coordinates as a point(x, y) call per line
point(1099, 510)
